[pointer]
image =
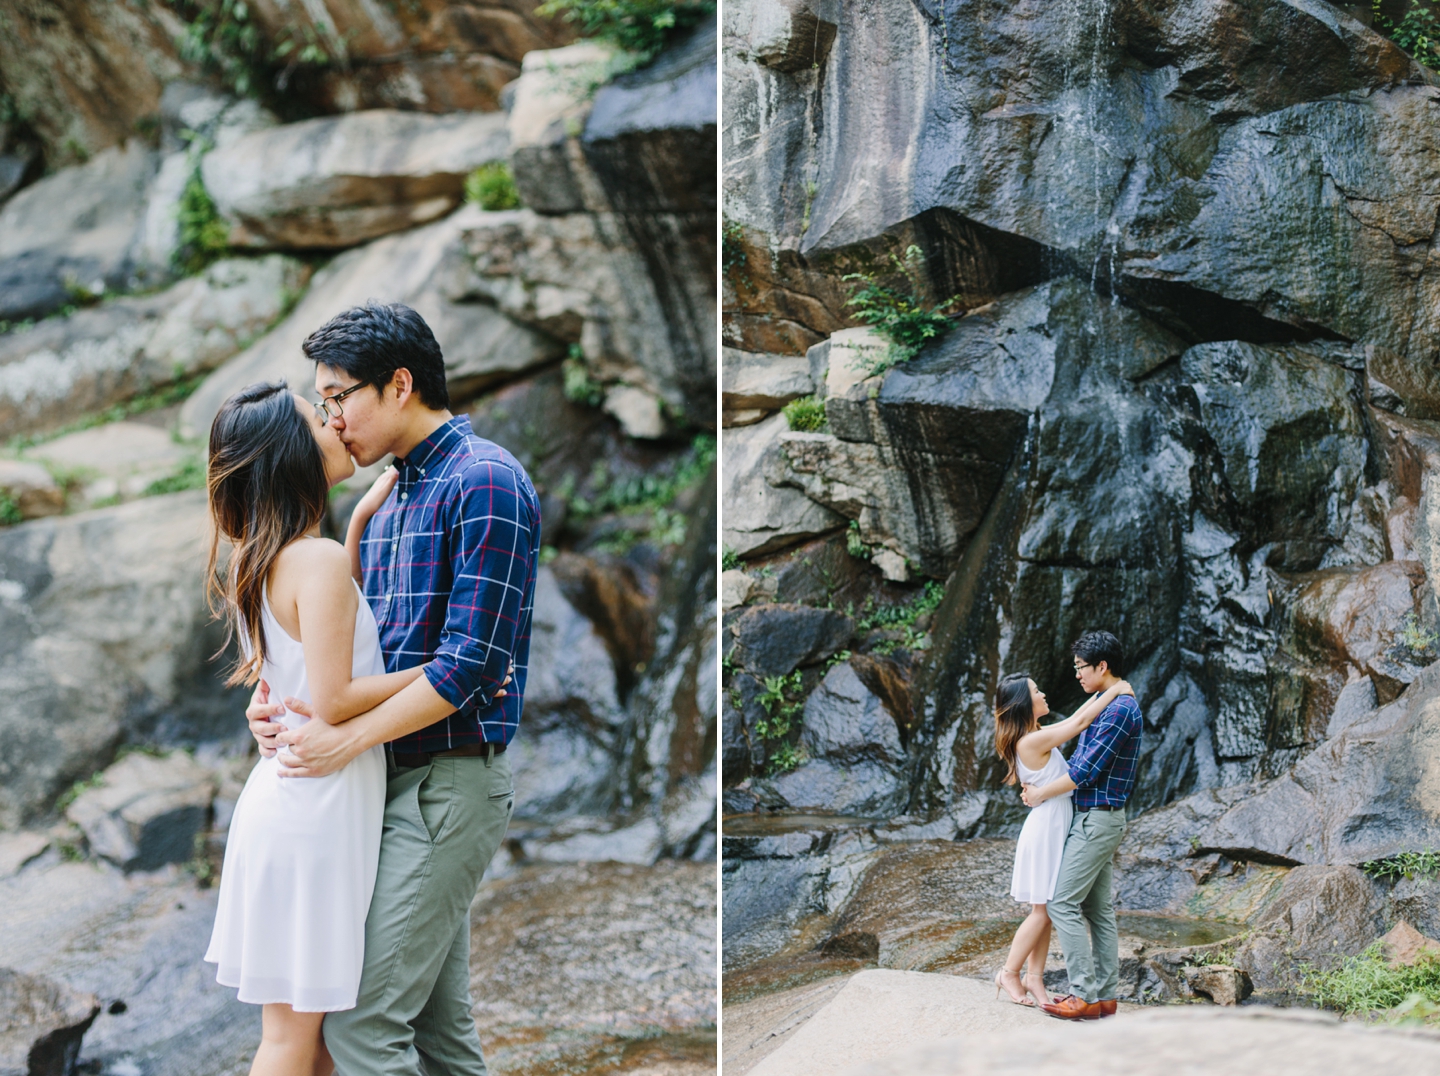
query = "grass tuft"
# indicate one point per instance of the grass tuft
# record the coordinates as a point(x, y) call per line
point(492, 187)
point(806, 414)
point(1366, 983)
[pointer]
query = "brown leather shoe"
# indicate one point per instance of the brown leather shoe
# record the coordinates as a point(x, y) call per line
point(1070, 1007)
point(1107, 1008)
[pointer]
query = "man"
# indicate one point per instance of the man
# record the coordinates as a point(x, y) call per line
point(1102, 773)
point(448, 564)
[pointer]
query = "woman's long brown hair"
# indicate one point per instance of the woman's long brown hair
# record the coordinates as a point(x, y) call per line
point(267, 487)
point(1014, 717)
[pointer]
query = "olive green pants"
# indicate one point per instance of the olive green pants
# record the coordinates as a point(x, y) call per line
point(1084, 895)
point(443, 823)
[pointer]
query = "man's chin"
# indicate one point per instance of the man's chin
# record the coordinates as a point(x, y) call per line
point(363, 458)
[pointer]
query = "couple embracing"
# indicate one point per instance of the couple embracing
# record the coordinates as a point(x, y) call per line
point(389, 674)
point(1077, 818)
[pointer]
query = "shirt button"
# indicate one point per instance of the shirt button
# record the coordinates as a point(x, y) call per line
point(404, 495)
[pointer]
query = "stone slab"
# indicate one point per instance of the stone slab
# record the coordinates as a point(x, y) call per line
point(880, 1014)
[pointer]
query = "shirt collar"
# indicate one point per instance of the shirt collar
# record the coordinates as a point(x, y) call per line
point(438, 444)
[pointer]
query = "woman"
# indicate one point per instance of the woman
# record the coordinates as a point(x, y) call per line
point(301, 856)
point(1032, 756)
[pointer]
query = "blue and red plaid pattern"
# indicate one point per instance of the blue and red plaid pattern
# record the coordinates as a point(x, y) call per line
point(448, 565)
point(1107, 756)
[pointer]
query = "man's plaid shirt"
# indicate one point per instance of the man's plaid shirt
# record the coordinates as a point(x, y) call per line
point(1107, 756)
point(448, 565)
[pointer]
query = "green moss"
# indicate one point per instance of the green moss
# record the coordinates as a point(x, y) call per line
point(639, 26)
point(730, 560)
point(9, 510)
point(492, 187)
point(806, 414)
point(204, 237)
point(189, 475)
point(579, 387)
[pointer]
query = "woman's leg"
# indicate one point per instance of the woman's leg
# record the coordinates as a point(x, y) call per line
point(1036, 923)
point(1035, 961)
point(289, 1043)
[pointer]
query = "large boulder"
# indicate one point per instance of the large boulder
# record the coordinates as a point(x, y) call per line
point(74, 232)
point(1363, 794)
point(66, 368)
point(104, 638)
point(42, 1023)
point(917, 458)
point(774, 639)
point(564, 758)
point(761, 517)
point(338, 181)
point(1140, 165)
point(753, 386)
point(87, 73)
point(587, 279)
point(854, 754)
point(481, 345)
point(145, 811)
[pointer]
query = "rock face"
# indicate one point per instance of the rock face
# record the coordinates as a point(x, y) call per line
point(65, 368)
point(760, 516)
point(74, 229)
point(622, 265)
point(41, 1024)
point(106, 640)
point(146, 811)
point(338, 181)
point(418, 267)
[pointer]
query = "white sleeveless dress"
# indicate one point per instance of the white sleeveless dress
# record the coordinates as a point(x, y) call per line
point(301, 857)
point(1042, 839)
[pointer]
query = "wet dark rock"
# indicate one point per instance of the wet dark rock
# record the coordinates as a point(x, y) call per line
point(775, 639)
point(651, 135)
point(41, 1025)
point(1288, 427)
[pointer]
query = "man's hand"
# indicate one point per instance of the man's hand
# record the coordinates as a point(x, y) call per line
point(315, 749)
point(1030, 795)
point(259, 713)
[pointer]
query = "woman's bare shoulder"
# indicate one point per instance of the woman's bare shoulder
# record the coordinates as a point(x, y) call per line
point(308, 558)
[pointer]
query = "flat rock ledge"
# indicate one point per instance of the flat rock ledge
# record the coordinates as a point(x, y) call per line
point(906, 1023)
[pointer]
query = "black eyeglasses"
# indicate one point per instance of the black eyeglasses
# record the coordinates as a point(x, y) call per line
point(329, 407)
point(1083, 665)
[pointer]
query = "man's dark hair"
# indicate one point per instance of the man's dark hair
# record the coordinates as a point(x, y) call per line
point(1096, 646)
point(371, 342)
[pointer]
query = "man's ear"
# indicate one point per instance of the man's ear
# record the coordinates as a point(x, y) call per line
point(401, 387)
point(1102, 667)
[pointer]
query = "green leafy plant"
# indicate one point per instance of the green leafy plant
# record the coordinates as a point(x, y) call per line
point(9, 510)
point(639, 26)
point(654, 490)
point(222, 39)
point(204, 236)
point(189, 475)
point(1417, 32)
point(579, 388)
point(730, 560)
point(492, 187)
point(899, 317)
point(1414, 638)
point(1367, 983)
point(784, 759)
point(734, 259)
point(854, 544)
point(805, 414)
point(1404, 865)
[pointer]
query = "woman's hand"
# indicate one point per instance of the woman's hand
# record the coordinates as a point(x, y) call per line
point(375, 496)
point(1120, 687)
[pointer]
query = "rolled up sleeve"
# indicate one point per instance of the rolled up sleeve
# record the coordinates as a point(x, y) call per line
point(489, 565)
point(1092, 759)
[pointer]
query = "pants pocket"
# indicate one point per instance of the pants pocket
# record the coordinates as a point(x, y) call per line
point(436, 798)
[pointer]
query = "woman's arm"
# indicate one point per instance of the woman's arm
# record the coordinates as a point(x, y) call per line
point(326, 601)
point(360, 517)
point(1040, 742)
point(1034, 795)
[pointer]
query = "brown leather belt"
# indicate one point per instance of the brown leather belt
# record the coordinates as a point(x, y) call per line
point(486, 751)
